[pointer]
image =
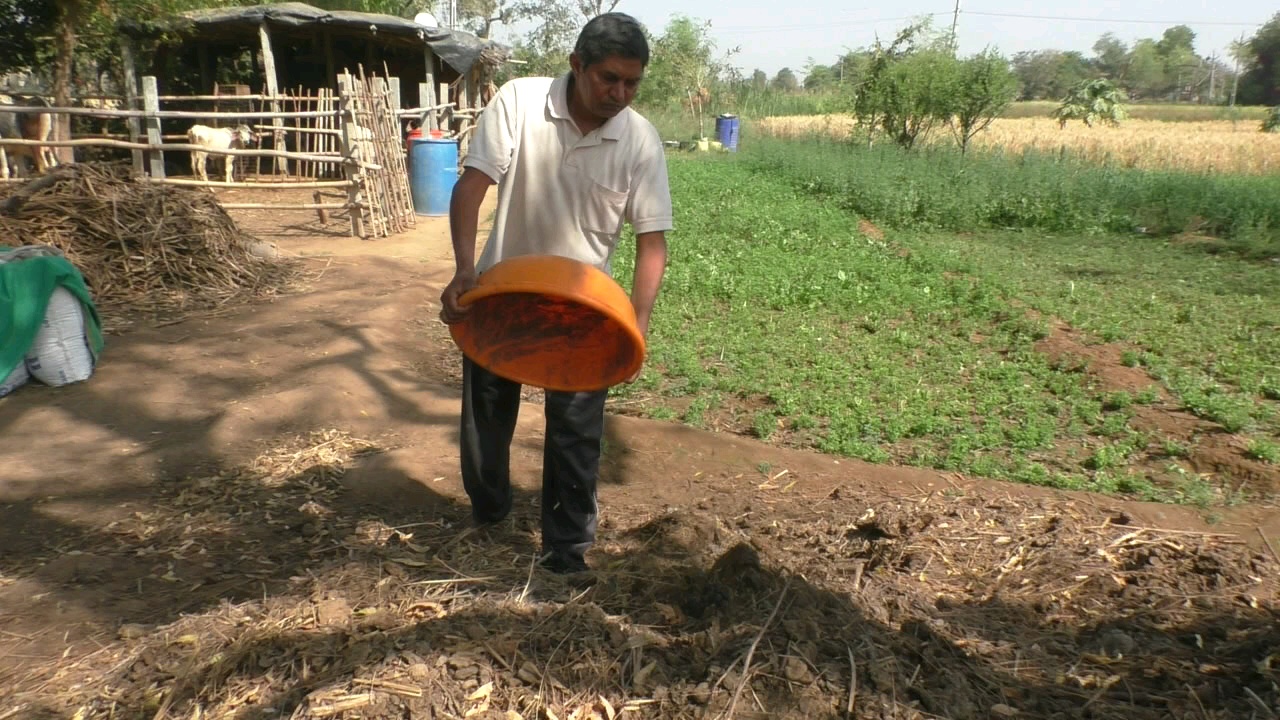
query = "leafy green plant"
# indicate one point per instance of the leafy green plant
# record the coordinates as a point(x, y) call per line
point(1264, 450)
point(1271, 123)
point(1148, 395)
point(764, 424)
point(1118, 400)
point(1093, 101)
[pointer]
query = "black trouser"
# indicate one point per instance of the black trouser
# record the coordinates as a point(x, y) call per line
point(570, 457)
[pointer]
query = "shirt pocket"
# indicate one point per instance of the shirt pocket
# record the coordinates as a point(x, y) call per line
point(603, 210)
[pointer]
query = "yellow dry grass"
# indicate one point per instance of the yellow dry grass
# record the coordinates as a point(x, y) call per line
point(1216, 146)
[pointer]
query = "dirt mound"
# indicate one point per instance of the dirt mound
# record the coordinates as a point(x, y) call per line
point(285, 600)
point(141, 246)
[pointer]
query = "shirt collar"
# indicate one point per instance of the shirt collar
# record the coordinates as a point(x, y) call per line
point(558, 107)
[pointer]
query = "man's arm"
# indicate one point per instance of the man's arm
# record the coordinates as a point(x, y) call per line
point(464, 220)
point(492, 147)
point(464, 216)
point(651, 264)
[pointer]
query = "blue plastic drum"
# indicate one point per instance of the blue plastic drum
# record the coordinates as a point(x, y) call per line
point(433, 171)
point(727, 131)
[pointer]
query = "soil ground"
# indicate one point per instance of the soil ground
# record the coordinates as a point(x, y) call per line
point(256, 513)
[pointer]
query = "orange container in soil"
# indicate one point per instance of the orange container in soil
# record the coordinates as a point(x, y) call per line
point(551, 322)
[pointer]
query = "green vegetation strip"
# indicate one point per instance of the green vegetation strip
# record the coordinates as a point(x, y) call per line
point(781, 318)
point(938, 188)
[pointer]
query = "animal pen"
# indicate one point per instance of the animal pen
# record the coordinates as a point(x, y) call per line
point(339, 135)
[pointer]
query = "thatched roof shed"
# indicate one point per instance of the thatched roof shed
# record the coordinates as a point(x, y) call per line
point(291, 45)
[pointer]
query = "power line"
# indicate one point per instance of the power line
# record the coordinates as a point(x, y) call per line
point(1113, 21)
point(849, 23)
point(745, 29)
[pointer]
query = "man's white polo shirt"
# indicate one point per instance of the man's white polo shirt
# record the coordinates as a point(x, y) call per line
point(560, 192)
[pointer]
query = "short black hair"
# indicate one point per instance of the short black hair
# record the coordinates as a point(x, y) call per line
point(611, 34)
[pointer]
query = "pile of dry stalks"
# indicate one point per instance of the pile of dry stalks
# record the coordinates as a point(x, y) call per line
point(141, 247)
point(269, 593)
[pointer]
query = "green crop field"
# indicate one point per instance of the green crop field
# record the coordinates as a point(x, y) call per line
point(789, 315)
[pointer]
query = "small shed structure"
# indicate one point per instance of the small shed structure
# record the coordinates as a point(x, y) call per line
point(292, 46)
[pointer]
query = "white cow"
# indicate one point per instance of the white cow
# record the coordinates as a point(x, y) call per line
point(238, 137)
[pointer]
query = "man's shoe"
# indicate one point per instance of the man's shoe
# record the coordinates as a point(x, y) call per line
point(479, 521)
point(561, 564)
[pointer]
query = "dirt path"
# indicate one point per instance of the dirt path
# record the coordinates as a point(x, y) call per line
point(92, 473)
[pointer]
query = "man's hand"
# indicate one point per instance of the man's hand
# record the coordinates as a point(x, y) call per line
point(451, 311)
point(642, 324)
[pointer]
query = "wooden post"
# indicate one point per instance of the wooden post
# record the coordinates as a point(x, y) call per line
point(151, 104)
point(424, 100)
point(352, 172)
point(446, 116)
point(272, 87)
point(131, 98)
point(393, 95)
point(427, 89)
point(473, 87)
point(466, 97)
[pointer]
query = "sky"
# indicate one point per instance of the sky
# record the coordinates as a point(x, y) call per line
point(776, 34)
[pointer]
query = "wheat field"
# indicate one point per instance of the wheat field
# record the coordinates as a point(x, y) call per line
point(1219, 146)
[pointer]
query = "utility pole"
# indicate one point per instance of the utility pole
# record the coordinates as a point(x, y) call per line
point(955, 20)
point(1235, 81)
point(1213, 70)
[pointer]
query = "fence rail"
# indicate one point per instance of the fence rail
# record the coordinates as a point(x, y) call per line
point(161, 147)
point(350, 140)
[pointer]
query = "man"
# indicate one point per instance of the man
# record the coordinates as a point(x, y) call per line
point(572, 162)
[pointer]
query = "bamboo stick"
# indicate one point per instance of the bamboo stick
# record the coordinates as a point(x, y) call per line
point(271, 206)
point(286, 184)
point(161, 114)
point(122, 145)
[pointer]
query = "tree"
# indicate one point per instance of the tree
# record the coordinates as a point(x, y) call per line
point(21, 22)
point(398, 8)
point(1176, 49)
point(1177, 40)
point(785, 80)
point(684, 66)
point(909, 87)
point(1092, 101)
point(1146, 76)
point(818, 77)
point(759, 80)
point(984, 86)
point(592, 8)
point(546, 47)
point(1260, 84)
point(1049, 73)
point(480, 16)
point(851, 67)
point(1111, 57)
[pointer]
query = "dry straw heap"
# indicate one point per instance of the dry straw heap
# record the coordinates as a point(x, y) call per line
point(141, 247)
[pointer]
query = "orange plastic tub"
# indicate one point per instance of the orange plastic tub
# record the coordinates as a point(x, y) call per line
point(551, 322)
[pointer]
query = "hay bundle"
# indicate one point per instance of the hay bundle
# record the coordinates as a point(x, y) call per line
point(141, 247)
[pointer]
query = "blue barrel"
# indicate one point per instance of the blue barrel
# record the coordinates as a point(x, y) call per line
point(727, 131)
point(433, 171)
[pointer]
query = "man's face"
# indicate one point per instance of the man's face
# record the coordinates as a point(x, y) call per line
point(607, 87)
